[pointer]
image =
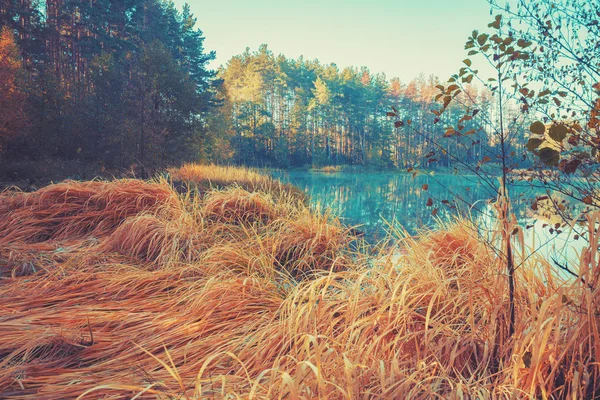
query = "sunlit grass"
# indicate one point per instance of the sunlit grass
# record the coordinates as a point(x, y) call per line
point(205, 177)
point(125, 288)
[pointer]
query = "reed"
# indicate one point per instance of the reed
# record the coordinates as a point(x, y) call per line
point(128, 288)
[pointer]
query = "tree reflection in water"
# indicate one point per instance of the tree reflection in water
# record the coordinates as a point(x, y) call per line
point(371, 201)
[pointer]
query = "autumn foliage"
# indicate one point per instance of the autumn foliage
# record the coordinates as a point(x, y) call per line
point(13, 97)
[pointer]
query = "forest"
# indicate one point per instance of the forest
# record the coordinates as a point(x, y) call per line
point(110, 83)
point(284, 228)
point(292, 113)
point(128, 85)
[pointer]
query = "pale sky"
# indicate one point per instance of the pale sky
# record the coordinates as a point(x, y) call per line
point(400, 38)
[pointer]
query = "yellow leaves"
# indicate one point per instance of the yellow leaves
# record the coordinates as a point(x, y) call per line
point(12, 97)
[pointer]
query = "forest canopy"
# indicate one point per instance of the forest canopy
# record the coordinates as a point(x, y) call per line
point(117, 83)
point(124, 84)
point(294, 113)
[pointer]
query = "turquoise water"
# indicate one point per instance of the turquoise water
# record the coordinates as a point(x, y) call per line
point(373, 201)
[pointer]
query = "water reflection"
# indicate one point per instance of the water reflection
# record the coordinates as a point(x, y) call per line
point(374, 200)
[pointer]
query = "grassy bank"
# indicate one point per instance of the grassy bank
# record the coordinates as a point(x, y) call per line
point(139, 288)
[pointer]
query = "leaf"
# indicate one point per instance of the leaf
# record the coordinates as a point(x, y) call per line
point(398, 124)
point(425, 187)
point(496, 23)
point(450, 132)
point(549, 156)
point(574, 140)
point(534, 143)
point(538, 128)
point(523, 43)
point(434, 212)
point(391, 114)
point(486, 159)
point(472, 52)
point(429, 202)
point(588, 200)
point(447, 101)
point(481, 39)
point(452, 88)
point(558, 132)
point(544, 92)
point(467, 62)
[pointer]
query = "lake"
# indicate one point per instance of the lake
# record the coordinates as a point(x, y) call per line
point(372, 202)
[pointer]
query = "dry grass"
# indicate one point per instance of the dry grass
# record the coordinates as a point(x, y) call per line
point(125, 289)
point(329, 168)
point(206, 177)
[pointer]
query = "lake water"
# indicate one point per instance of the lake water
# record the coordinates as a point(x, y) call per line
point(373, 201)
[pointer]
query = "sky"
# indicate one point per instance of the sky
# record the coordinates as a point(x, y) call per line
point(400, 38)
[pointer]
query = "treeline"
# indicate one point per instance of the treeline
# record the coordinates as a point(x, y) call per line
point(119, 83)
point(122, 84)
point(292, 113)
